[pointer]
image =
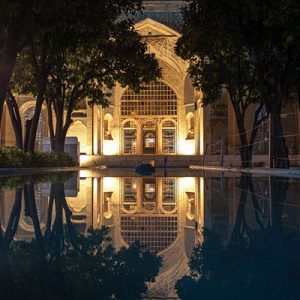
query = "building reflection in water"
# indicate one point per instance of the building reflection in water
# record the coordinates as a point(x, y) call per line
point(167, 214)
point(160, 213)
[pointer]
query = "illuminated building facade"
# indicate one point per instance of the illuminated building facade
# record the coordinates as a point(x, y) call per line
point(165, 118)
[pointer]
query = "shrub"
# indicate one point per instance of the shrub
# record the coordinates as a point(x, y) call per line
point(59, 159)
point(12, 157)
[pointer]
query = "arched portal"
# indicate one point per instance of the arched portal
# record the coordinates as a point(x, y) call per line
point(150, 117)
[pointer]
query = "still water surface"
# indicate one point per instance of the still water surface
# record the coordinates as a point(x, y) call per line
point(245, 230)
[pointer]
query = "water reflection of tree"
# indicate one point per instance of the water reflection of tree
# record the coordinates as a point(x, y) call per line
point(259, 262)
point(60, 263)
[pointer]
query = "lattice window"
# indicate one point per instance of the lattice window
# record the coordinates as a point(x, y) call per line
point(157, 233)
point(149, 137)
point(168, 137)
point(168, 194)
point(130, 137)
point(153, 99)
point(149, 193)
point(169, 190)
point(130, 193)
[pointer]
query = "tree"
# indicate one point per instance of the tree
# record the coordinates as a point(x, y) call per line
point(20, 22)
point(13, 24)
point(78, 58)
point(216, 69)
point(269, 30)
point(89, 74)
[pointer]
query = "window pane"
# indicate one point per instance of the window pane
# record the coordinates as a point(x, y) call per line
point(155, 98)
point(130, 141)
point(168, 140)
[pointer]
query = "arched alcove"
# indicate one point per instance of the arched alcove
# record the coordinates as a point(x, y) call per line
point(79, 130)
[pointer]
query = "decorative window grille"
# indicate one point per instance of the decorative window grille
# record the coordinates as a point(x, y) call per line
point(156, 232)
point(149, 193)
point(168, 137)
point(168, 194)
point(130, 193)
point(149, 137)
point(130, 137)
point(169, 190)
point(153, 99)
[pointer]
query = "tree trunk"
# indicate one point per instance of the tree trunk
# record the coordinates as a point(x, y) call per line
point(278, 192)
point(14, 218)
point(36, 116)
point(49, 214)
point(61, 126)
point(8, 60)
point(58, 230)
point(281, 156)
point(10, 51)
point(29, 193)
point(50, 123)
point(238, 236)
point(246, 158)
point(15, 118)
point(244, 150)
point(59, 142)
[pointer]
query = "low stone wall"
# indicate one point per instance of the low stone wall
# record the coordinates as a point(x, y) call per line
point(132, 161)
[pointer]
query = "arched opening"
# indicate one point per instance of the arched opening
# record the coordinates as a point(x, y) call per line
point(150, 110)
point(78, 129)
point(107, 127)
point(190, 126)
point(149, 212)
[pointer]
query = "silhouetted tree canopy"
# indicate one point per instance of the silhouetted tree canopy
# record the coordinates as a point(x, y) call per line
point(245, 47)
point(86, 48)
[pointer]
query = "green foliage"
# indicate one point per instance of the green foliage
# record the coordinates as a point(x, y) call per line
point(261, 38)
point(88, 268)
point(12, 157)
point(80, 57)
point(51, 159)
point(218, 60)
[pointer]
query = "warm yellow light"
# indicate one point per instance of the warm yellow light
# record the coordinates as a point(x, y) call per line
point(187, 184)
point(187, 147)
point(85, 173)
point(110, 147)
point(84, 160)
point(109, 184)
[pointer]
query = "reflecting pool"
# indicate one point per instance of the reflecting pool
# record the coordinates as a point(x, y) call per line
point(210, 236)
